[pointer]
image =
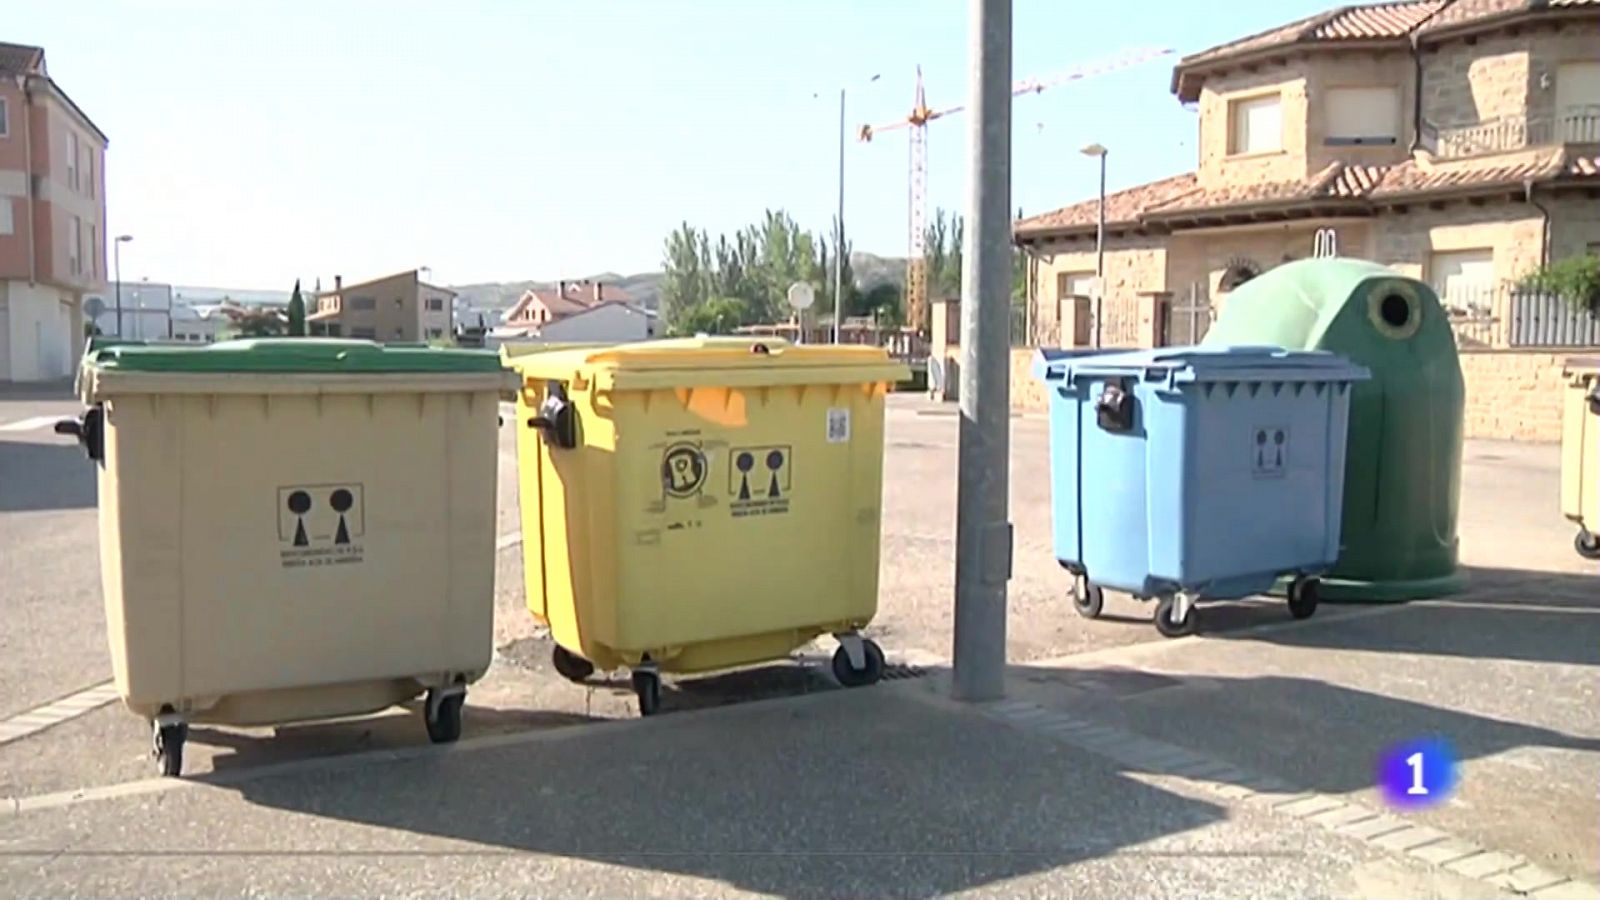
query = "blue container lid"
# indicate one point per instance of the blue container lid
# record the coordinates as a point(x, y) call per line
point(1188, 365)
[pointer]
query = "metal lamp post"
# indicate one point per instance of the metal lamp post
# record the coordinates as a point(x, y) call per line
point(1099, 240)
point(838, 250)
point(116, 258)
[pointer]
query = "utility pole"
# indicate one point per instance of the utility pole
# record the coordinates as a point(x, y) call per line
point(838, 237)
point(983, 531)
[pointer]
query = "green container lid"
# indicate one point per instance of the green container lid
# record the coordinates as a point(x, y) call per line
point(331, 356)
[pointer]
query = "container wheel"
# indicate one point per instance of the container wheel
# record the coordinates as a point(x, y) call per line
point(1587, 544)
point(570, 665)
point(168, 748)
point(1304, 594)
point(871, 673)
point(647, 686)
point(1169, 624)
point(1087, 598)
point(443, 717)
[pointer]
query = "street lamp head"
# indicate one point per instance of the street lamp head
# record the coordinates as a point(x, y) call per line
point(1094, 150)
point(124, 238)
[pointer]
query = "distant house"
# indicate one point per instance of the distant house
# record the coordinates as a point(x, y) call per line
point(575, 311)
point(399, 307)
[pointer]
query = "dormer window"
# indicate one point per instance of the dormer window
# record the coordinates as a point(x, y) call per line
point(1362, 116)
point(1255, 125)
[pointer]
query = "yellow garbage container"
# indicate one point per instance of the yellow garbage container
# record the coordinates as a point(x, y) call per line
point(293, 529)
point(705, 503)
point(1580, 454)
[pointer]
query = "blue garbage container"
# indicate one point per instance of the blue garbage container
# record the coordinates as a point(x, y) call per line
point(1188, 474)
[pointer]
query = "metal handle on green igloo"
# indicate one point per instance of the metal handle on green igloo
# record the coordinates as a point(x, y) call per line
point(557, 420)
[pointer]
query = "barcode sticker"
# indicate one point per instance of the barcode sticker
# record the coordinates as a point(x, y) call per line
point(838, 426)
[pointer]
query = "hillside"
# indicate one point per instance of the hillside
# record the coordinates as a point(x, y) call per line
point(645, 287)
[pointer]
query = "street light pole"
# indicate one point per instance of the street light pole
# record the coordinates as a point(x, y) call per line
point(838, 237)
point(1099, 241)
point(983, 532)
point(116, 261)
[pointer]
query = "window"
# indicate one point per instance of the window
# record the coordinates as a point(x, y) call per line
point(5, 121)
point(363, 303)
point(7, 225)
point(1256, 125)
point(1463, 279)
point(1363, 116)
point(1578, 102)
point(366, 333)
point(435, 333)
point(94, 249)
point(89, 158)
point(435, 304)
point(72, 160)
point(75, 247)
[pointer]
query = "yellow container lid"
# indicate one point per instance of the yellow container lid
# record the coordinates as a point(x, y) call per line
point(749, 361)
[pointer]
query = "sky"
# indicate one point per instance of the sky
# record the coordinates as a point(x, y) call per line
point(488, 140)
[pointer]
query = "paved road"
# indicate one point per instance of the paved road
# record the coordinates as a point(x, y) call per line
point(843, 793)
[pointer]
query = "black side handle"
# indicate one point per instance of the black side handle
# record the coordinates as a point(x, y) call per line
point(1594, 402)
point(89, 430)
point(557, 420)
point(1113, 409)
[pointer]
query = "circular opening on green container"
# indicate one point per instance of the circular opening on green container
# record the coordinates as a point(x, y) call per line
point(1395, 310)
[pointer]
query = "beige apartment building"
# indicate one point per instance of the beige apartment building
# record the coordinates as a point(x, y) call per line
point(1457, 141)
point(52, 219)
point(395, 308)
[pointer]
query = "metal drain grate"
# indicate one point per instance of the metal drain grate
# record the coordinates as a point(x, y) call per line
point(902, 672)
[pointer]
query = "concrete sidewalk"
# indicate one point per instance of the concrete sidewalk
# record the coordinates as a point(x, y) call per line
point(891, 791)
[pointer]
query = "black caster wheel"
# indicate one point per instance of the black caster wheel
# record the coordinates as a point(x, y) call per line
point(443, 717)
point(1087, 598)
point(1304, 594)
point(849, 676)
point(1587, 544)
point(1168, 623)
point(168, 749)
point(647, 687)
point(571, 666)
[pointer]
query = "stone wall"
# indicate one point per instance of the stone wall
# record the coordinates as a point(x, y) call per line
point(1135, 266)
point(1218, 167)
point(1500, 75)
point(1514, 395)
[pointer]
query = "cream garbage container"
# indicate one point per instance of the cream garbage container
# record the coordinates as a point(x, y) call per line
point(293, 529)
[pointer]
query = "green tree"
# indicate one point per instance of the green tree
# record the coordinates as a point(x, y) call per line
point(261, 323)
point(297, 312)
point(719, 315)
point(686, 271)
point(882, 302)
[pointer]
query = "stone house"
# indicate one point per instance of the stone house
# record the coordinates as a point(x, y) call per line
point(1457, 141)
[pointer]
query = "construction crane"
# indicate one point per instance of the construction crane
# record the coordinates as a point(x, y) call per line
point(917, 121)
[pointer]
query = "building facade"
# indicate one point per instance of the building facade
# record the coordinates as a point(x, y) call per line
point(1457, 141)
point(52, 219)
point(575, 311)
point(396, 308)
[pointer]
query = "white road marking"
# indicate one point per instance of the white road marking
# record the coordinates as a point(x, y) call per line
point(34, 424)
point(32, 721)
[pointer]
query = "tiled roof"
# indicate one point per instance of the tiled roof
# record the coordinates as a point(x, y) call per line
point(1464, 12)
point(1122, 207)
point(1359, 187)
point(21, 59)
point(1378, 22)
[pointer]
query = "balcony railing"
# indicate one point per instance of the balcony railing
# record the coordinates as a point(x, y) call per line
point(1488, 316)
point(1572, 125)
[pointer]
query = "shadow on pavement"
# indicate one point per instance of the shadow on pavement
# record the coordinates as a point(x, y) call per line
point(39, 477)
point(1323, 737)
point(1532, 616)
point(397, 729)
point(858, 794)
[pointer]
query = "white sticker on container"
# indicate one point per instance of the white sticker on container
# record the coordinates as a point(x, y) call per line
point(838, 426)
